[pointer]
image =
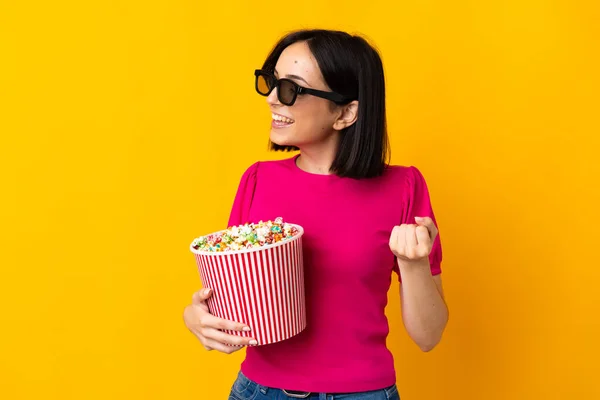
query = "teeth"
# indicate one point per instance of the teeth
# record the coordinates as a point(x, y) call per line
point(282, 119)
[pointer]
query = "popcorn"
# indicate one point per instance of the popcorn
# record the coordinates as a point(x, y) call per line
point(246, 236)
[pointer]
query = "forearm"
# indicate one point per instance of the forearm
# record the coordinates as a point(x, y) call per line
point(424, 311)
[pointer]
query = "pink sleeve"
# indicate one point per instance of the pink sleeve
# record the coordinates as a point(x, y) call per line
point(240, 210)
point(418, 204)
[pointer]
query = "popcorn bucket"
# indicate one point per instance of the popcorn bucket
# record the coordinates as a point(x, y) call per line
point(262, 287)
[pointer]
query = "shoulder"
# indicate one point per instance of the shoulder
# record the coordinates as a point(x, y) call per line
point(406, 175)
point(270, 167)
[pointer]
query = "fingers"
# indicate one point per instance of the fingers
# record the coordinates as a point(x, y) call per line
point(225, 338)
point(210, 332)
point(201, 296)
point(410, 240)
point(394, 237)
point(210, 344)
point(210, 321)
point(209, 328)
point(398, 241)
point(422, 235)
point(425, 244)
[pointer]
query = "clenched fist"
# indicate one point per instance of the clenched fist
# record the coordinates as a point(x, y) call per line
point(412, 243)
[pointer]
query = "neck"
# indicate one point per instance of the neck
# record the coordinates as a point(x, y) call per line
point(317, 159)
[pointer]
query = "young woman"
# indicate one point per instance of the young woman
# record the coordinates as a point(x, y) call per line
point(363, 219)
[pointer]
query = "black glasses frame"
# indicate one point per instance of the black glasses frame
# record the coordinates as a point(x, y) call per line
point(332, 96)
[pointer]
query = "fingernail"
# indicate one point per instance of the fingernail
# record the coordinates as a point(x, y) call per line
point(253, 343)
point(206, 292)
point(246, 329)
point(419, 218)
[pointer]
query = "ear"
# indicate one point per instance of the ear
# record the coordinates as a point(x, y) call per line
point(347, 117)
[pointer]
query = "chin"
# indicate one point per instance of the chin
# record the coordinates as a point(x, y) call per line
point(280, 139)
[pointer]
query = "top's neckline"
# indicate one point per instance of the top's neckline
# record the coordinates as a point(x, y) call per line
point(307, 174)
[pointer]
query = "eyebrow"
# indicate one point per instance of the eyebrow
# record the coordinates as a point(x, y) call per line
point(294, 77)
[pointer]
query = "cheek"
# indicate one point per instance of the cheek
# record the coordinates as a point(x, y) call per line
point(314, 117)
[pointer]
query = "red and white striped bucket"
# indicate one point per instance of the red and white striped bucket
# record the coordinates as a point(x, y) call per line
point(261, 287)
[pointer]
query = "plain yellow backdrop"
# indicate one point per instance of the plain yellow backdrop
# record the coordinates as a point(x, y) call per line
point(125, 127)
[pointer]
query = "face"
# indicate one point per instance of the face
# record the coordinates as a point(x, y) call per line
point(310, 120)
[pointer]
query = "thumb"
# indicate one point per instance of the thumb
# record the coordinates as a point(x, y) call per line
point(201, 295)
point(424, 221)
point(428, 223)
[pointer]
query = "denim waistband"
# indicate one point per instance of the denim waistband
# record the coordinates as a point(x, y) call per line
point(250, 389)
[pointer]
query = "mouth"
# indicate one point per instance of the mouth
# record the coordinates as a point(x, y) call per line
point(280, 121)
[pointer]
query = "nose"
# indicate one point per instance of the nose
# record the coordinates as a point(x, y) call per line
point(272, 98)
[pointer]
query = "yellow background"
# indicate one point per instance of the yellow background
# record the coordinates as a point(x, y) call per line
point(124, 130)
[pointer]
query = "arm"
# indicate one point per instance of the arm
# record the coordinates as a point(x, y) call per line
point(424, 311)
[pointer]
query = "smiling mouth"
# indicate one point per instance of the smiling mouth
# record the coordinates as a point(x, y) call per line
point(279, 121)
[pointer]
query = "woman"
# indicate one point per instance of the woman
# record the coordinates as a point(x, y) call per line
point(362, 218)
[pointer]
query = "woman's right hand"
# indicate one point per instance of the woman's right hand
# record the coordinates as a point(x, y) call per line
point(207, 327)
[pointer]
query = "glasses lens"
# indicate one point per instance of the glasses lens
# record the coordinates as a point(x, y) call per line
point(264, 84)
point(287, 92)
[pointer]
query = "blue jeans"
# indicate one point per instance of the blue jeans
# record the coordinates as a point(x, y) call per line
point(245, 389)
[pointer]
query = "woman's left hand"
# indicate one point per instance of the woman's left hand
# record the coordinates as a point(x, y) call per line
point(412, 243)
